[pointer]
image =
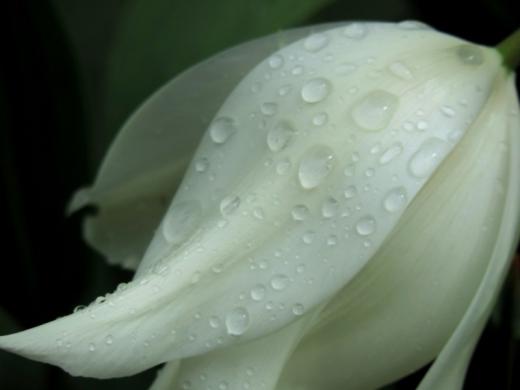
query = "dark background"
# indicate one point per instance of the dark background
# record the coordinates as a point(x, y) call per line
point(72, 70)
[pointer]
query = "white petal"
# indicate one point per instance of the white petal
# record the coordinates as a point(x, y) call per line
point(395, 316)
point(148, 158)
point(457, 352)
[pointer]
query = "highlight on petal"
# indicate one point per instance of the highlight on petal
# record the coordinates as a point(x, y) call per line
point(410, 298)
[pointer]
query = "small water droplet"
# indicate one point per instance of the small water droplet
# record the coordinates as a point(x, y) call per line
point(279, 137)
point(223, 385)
point(258, 213)
point(258, 292)
point(316, 42)
point(391, 153)
point(91, 347)
point(283, 166)
point(429, 154)
point(395, 199)
point(284, 90)
point(269, 109)
point(315, 165)
point(308, 237)
point(350, 192)
point(298, 309)
point(300, 212)
point(202, 165)
point(237, 321)
point(448, 111)
point(366, 226)
point(221, 129)
point(470, 54)
point(375, 110)
point(276, 61)
point(400, 70)
point(297, 70)
point(229, 204)
point(320, 119)
point(422, 125)
point(214, 322)
point(315, 90)
point(109, 340)
point(279, 282)
point(330, 207)
point(355, 31)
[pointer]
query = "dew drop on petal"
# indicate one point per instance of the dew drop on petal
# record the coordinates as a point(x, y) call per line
point(201, 165)
point(221, 129)
point(375, 110)
point(390, 153)
point(279, 137)
point(355, 31)
point(470, 55)
point(400, 70)
point(350, 192)
point(284, 90)
point(283, 167)
point(429, 154)
point(320, 119)
point(279, 282)
point(229, 204)
point(269, 109)
point(316, 42)
point(300, 212)
point(237, 321)
point(315, 90)
point(395, 199)
point(330, 207)
point(257, 292)
point(308, 237)
point(315, 165)
point(276, 61)
point(366, 226)
point(298, 309)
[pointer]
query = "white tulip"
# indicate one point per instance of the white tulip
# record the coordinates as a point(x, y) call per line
point(348, 216)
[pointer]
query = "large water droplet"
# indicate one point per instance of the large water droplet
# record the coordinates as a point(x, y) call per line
point(276, 61)
point(315, 166)
point(300, 212)
point(400, 70)
point(279, 137)
point(180, 220)
point(316, 42)
point(279, 282)
point(315, 90)
point(221, 129)
point(229, 204)
point(395, 199)
point(366, 226)
point(375, 110)
point(355, 31)
point(390, 153)
point(429, 154)
point(237, 321)
point(470, 54)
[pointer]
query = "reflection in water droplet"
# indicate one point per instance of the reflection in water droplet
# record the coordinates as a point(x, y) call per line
point(395, 199)
point(429, 154)
point(315, 166)
point(237, 321)
point(279, 137)
point(221, 129)
point(470, 54)
point(375, 110)
point(315, 90)
point(316, 42)
point(229, 204)
point(366, 226)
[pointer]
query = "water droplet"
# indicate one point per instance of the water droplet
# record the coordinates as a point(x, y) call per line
point(180, 220)
point(284, 90)
point(330, 207)
point(350, 192)
point(448, 111)
point(316, 42)
point(297, 70)
point(315, 166)
point(370, 172)
point(400, 70)
point(283, 166)
point(221, 129)
point(269, 109)
point(315, 90)
point(223, 385)
point(346, 68)
point(391, 153)
point(355, 31)
point(366, 226)
point(350, 170)
point(109, 340)
point(308, 237)
point(202, 165)
point(300, 212)
point(395, 199)
point(422, 125)
point(470, 54)
point(332, 240)
point(258, 292)
point(237, 321)
point(298, 309)
point(276, 61)
point(91, 347)
point(279, 137)
point(279, 282)
point(375, 110)
point(429, 154)
point(214, 322)
point(229, 204)
point(320, 119)
point(258, 213)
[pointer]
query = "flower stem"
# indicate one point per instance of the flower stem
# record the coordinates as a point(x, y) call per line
point(509, 48)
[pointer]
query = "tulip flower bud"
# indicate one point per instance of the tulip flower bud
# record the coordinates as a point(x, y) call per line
point(347, 217)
